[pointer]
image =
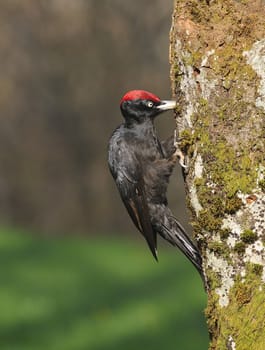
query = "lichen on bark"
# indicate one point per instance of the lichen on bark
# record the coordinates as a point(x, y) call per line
point(217, 55)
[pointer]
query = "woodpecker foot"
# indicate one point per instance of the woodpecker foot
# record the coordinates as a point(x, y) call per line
point(178, 153)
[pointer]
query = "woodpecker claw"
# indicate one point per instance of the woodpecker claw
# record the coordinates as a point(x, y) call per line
point(178, 152)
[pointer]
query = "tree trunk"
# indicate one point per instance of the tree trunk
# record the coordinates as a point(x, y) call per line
point(218, 77)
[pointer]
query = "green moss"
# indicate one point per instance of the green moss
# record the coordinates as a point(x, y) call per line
point(203, 102)
point(212, 309)
point(208, 222)
point(212, 313)
point(245, 299)
point(262, 185)
point(240, 248)
point(220, 249)
point(235, 66)
point(213, 279)
point(222, 162)
point(255, 269)
point(216, 247)
point(248, 236)
point(231, 170)
point(196, 230)
point(193, 59)
point(242, 294)
point(232, 205)
point(214, 204)
point(186, 140)
point(224, 233)
point(199, 182)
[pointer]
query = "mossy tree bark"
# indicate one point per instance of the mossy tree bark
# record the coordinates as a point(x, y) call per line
point(218, 76)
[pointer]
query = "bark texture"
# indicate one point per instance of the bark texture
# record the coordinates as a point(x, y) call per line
point(218, 76)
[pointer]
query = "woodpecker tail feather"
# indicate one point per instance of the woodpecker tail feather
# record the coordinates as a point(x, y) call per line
point(174, 233)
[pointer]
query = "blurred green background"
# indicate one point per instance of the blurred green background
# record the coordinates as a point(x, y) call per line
point(75, 274)
point(98, 294)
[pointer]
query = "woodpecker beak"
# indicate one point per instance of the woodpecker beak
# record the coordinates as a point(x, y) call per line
point(165, 105)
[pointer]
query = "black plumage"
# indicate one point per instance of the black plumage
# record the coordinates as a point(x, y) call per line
point(141, 166)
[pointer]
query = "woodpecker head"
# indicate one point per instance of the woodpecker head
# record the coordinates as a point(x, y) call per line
point(139, 105)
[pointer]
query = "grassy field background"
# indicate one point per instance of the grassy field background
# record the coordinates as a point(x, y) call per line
point(96, 294)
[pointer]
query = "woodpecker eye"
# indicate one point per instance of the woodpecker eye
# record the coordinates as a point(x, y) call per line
point(150, 104)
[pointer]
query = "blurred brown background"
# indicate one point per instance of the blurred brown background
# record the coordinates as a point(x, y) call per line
point(64, 67)
point(65, 64)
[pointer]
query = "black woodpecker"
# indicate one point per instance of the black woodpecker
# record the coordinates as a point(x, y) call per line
point(141, 166)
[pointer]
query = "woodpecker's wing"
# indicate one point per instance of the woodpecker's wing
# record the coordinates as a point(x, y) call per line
point(128, 174)
point(134, 199)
